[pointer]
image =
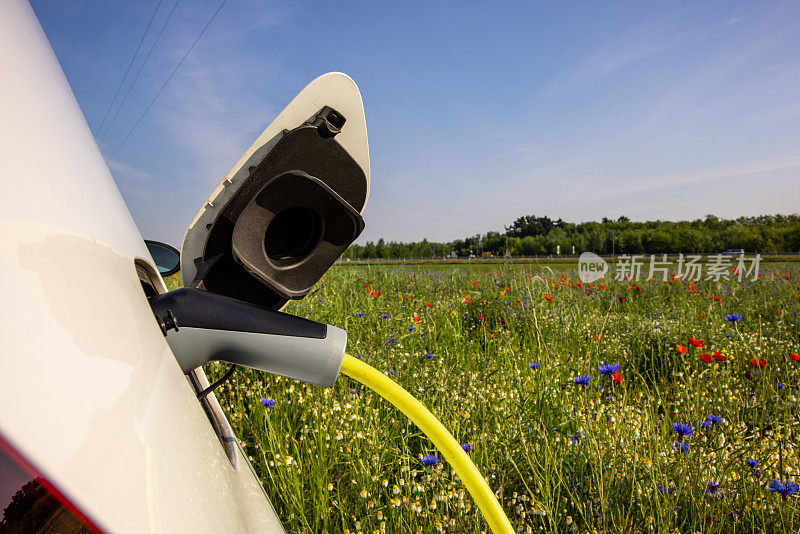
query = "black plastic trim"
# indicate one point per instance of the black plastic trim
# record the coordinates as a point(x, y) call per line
point(311, 149)
point(194, 308)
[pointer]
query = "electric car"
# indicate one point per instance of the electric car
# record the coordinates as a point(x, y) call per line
point(107, 421)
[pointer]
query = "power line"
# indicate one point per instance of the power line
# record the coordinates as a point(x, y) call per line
point(125, 76)
point(178, 66)
point(141, 68)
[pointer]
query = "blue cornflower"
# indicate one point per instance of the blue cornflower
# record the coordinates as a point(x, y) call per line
point(429, 460)
point(752, 463)
point(268, 403)
point(727, 335)
point(712, 490)
point(681, 446)
point(609, 369)
point(468, 448)
point(535, 366)
point(706, 424)
point(786, 490)
point(429, 355)
point(386, 316)
point(714, 418)
point(576, 438)
point(734, 317)
point(391, 372)
point(781, 386)
point(410, 328)
point(360, 314)
point(682, 430)
point(390, 340)
point(582, 381)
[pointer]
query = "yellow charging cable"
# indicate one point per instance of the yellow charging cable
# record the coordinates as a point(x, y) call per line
point(442, 439)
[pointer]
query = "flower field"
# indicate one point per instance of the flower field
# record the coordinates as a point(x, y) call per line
point(644, 406)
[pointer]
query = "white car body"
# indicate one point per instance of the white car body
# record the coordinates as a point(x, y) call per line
point(92, 396)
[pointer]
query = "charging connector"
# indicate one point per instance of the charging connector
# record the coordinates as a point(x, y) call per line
point(206, 327)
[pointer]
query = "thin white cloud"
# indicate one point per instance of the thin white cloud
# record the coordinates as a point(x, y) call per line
point(704, 175)
point(523, 150)
point(125, 172)
point(656, 35)
point(220, 99)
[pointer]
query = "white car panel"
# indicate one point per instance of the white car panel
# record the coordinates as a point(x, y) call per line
point(92, 396)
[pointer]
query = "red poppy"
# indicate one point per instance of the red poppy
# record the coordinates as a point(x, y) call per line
point(720, 357)
point(602, 286)
point(623, 299)
point(706, 357)
point(758, 363)
point(548, 297)
point(681, 349)
point(697, 342)
point(376, 294)
point(429, 304)
point(718, 299)
point(617, 377)
point(794, 356)
point(467, 298)
point(702, 316)
point(788, 277)
point(482, 317)
point(417, 319)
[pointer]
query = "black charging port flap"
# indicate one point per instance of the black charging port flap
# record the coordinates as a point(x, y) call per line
point(292, 231)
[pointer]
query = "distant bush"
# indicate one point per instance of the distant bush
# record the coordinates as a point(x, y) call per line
point(531, 235)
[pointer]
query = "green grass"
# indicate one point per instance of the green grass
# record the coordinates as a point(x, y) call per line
point(342, 459)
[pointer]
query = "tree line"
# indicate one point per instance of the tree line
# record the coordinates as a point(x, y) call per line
point(531, 235)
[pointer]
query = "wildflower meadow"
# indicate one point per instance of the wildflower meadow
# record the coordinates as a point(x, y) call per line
point(615, 406)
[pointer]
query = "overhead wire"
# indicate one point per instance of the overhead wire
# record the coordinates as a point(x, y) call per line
point(141, 68)
point(172, 74)
point(130, 64)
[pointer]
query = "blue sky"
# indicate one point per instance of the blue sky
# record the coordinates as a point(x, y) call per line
point(476, 113)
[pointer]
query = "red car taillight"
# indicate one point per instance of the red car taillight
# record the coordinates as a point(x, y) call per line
point(30, 503)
